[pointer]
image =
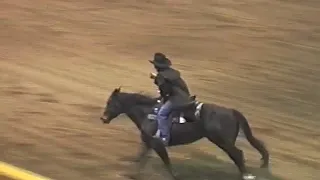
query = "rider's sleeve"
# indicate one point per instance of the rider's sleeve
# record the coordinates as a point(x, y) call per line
point(163, 86)
point(160, 80)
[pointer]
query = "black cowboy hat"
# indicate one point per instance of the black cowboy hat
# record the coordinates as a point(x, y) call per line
point(160, 60)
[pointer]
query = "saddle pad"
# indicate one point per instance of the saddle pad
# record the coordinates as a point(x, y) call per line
point(179, 120)
point(152, 116)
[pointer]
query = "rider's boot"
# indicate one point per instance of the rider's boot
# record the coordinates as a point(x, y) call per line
point(164, 138)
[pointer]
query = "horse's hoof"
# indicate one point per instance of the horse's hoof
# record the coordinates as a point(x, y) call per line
point(264, 165)
point(131, 175)
point(129, 159)
point(248, 177)
point(176, 176)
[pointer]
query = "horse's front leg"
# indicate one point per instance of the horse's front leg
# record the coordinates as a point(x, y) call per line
point(141, 160)
point(145, 147)
point(143, 151)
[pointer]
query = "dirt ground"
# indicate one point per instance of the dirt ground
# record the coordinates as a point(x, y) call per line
point(60, 59)
point(4, 178)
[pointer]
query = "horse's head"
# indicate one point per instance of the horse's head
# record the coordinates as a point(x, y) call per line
point(113, 107)
point(122, 102)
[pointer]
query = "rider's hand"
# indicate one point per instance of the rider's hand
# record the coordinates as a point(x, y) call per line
point(153, 75)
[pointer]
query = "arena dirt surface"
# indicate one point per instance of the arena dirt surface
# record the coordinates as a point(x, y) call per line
point(5, 178)
point(60, 59)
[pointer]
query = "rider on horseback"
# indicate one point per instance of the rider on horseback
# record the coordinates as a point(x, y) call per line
point(173, 91)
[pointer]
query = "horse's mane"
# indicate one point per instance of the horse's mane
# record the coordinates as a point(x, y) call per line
point(140, 98)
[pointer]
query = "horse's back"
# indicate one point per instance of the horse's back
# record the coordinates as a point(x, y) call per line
point(218, 109)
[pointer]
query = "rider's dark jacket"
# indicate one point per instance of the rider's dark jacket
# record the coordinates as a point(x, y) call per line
point(172, 86)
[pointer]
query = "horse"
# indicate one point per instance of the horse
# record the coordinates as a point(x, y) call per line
point(220, 125)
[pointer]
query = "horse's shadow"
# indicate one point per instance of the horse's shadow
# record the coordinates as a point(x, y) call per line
point(203, 166)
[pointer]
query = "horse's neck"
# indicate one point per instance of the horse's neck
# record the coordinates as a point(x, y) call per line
point(137, 114)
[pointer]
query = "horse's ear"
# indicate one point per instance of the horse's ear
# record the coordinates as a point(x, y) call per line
point(117, 90)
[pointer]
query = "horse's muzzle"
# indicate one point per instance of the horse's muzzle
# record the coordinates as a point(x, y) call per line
point(105, 119)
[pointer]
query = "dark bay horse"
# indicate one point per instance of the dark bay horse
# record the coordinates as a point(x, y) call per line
point(218, 124)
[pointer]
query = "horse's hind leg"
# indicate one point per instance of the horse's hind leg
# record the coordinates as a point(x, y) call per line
point(233, 152)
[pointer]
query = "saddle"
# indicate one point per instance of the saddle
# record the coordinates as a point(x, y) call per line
point(177, 116)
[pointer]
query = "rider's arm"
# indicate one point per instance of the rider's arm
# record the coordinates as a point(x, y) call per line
point(162, 85)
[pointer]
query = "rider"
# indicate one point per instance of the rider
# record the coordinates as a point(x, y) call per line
point(173, 90)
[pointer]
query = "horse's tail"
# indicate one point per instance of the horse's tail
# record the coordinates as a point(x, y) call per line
point(244, 125)
point(259, 145)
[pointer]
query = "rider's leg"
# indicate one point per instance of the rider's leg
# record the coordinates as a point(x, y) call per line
point(163, 122)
